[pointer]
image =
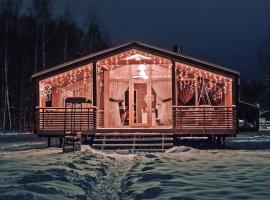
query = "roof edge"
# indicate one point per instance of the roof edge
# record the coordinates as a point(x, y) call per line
point(114, 50)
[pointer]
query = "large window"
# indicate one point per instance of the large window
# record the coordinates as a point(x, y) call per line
point(196, 87)
point(73, 83)
point(137, 89)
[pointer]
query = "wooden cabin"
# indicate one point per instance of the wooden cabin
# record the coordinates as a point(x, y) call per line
point(138, 88)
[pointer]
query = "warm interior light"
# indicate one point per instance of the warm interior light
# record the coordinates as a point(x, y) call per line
point(142, 72)
point(141, 67)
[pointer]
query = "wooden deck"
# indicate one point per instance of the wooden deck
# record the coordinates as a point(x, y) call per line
point(187, 121)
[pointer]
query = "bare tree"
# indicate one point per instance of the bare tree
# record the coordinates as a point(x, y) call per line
point(67, 18)
point(41, 10)
point(96, 38)
point(36, 50)
point(7, 11)
point(7, 103)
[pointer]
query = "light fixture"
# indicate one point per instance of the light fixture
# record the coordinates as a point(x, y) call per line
point(142, 73)
point(137, 57)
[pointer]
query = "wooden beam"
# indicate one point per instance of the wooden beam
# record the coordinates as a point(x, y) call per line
point(37, 96)
point(173, 83)
point(112, 63)
point(174, 101)
point(94, 94)
point(94, 84)
point(131, 99)
point(106, 99)
point(196, 92)
point(149, 98)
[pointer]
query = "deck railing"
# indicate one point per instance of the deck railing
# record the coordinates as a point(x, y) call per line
point(192, 119)
point(204, 119)
point(51, 120)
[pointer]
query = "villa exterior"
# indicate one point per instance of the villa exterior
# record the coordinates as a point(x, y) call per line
point(136, 87)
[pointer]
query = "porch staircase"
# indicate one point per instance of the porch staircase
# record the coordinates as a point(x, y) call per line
point(133, 142)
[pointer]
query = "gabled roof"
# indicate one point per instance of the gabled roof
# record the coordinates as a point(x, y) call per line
point(140, 46)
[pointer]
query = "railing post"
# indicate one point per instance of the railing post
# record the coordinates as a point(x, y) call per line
point(88, 121)
point(227, 113)
point(35, 119)
point(37, 122)
point(43, 120)
point(204, 120)
point(65, 120)
point(94, 95)
point(94, 119)
point(180, 119)
point(235, 119)
point(174, 117)
point(81, 118)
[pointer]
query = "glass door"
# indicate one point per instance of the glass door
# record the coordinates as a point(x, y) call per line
point(140, 104)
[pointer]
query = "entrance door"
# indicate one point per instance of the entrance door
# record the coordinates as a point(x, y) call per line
point(140, 104)
point(137, 96)
point(139, 109)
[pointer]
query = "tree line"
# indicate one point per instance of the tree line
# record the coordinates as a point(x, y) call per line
point(32, 40)
point(257, 91)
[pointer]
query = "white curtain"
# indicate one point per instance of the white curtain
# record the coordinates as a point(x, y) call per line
point(117, 92)
point(161, 72)
point(89, 90)
point(163, 89)
point(120, 73)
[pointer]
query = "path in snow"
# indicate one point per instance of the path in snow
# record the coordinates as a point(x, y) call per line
point(109, 186)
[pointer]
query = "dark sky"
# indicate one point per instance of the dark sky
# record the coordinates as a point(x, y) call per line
point(226, 32)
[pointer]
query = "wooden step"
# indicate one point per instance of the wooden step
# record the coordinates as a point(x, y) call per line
point(131, 139)
point(133, 142)
point(133, 134)
point(135, 145)
point(133, 150)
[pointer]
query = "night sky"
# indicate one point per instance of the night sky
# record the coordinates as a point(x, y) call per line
point(226, 32)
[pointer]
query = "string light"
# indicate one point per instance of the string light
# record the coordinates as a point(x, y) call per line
point(215, 84)
point(46, 91)
point(66, 79)
point(209, 84)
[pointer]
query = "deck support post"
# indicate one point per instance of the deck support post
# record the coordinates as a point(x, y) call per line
point(94, 84)
point(49, 141)
point(223, 141)
point(60, 141)
point(219, 142)
point(106, 99)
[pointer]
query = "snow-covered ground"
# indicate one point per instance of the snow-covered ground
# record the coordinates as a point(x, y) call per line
point(29, 170)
